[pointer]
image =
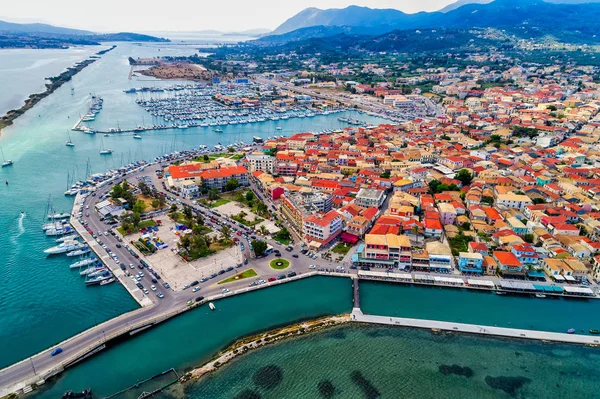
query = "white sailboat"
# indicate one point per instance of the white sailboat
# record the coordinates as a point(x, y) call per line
point(105, 151)
point(69, 142)
point(5, 162)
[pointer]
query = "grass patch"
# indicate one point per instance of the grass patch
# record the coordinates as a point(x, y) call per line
point(143, 224)
point(220, 245)
point(341, 248)
point(283, 241)
point(279, 264)
point(240, 276)
point(215, 203)
point(246, 222)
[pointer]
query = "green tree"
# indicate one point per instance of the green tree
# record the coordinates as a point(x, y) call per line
point(464, 176)
point(136, 219)
point(226, 232)
point(139, 207)
point(283, 234)
point(199, 220)
point(259, 247)
point(250, 196)
point(145, 189)
point(262, 209)
point(155, 203)
point(161, 201)
point(187, 212)
point(173, 207)
point(487, 200)
point(205, 158)
point(231, 185)
point(528, 238)
point(125, 185)
point(213, 194)
point(538, 201)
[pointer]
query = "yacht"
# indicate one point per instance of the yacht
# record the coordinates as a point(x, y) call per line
point(72, 191)
point(69, 143)
point(65, 238)
point(83, 262)
point(211, 306)
point(66, 246)
point(105, 151)
point(278, 128)
point(97, 279)
point(61, 231)
point(219, 130)
point(78, 252)
point(137, 136)
point(56, 216)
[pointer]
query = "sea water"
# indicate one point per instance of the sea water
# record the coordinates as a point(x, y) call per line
point(42, 301)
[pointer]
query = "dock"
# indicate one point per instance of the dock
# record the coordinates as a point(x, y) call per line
point(101, 254)
point(358, 316)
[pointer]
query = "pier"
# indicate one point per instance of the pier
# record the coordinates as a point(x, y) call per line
point(101, 255)
point(355, 292)
point(358, 316)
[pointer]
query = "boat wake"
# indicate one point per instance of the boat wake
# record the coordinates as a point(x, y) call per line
point(21, 228)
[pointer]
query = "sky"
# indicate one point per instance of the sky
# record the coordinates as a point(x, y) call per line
point(182, 15)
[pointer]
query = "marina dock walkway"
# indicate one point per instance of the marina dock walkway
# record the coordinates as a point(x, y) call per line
point(358, 316)
point(101, 254)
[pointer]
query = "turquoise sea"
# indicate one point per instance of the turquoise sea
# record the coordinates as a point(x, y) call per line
point(361, 361)
point(42, 301)
point(196, 336)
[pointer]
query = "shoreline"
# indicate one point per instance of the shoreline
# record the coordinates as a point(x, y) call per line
point(245, 345)
point(256, 341)
point(55, 82)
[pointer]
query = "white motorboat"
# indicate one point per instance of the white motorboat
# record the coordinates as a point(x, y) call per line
point(66, 246)
point(211, 306)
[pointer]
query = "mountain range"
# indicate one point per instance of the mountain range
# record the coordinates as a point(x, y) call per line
point(579, 20)
point(44, 36)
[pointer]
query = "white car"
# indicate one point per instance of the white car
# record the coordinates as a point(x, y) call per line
point(153, 288)
point(312, 267)
point(225, 290)
point(146, 291)
point(131, 266)
point(340, 268)
point(196, 289)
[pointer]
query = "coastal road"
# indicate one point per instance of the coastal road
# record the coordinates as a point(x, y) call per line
point(42, 365)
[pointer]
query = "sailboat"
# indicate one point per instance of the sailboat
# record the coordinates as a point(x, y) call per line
point(105, 151)
point(6, 162)
point(69, 143)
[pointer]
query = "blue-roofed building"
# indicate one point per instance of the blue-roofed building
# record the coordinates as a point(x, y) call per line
point(470, 262)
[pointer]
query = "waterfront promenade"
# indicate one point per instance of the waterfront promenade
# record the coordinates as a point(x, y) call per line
point(358, 316)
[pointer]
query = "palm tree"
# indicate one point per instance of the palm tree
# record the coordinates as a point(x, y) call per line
point(263, 230)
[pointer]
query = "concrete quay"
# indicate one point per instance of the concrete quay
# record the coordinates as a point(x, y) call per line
point(103, 256)
point(358, 316)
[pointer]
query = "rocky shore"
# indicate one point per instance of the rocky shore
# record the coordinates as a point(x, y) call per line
point(247, 344)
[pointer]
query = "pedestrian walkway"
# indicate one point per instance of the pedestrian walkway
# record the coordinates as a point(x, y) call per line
point(357, 315)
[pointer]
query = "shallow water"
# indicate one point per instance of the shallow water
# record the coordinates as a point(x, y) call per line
point(361, 361)
point(42, 301)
